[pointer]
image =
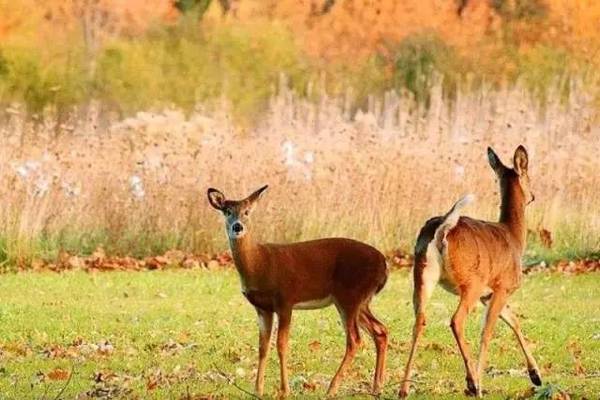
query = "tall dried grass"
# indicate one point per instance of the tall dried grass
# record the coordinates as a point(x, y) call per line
point(137, 186)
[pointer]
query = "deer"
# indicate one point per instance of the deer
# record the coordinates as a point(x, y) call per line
point(480, 261)
point(279, 278)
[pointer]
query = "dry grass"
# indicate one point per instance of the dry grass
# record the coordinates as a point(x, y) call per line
point(137, 186)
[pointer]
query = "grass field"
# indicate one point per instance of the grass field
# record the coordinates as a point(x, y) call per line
point(189, 334)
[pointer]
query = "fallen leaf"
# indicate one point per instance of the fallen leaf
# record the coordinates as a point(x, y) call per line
point(58, 374)
point(575, 350)
point(545, 238)
point(151, 384)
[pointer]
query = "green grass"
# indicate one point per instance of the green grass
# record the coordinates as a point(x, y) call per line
point(188, 325)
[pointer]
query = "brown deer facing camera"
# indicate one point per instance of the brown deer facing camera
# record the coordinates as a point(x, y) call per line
point(478, 261)
point(278, 278)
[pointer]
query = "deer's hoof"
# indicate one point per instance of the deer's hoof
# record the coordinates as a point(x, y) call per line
point(376, 391)
point(472, 389)
point(403, 393)
point(534, 375)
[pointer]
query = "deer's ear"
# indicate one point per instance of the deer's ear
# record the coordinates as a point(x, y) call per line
point(251, 200)
point(494, 161)
point(521, 160)
point(216, 199)
point(257, 194)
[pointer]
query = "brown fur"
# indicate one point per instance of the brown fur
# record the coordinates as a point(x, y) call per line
point(287, 274)
point(479, 257)
point(277, 277)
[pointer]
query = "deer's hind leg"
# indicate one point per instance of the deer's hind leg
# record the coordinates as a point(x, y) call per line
point(284, 316)
point(426, 276)
point(379, 333)
point(349, 312)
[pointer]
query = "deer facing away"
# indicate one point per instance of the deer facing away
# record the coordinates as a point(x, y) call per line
point(278, 278)
point(478, 261)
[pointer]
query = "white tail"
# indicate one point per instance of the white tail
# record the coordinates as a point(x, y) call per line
point(450, 220)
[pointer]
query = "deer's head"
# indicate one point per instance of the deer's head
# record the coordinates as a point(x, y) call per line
point(236, 212)
point(513, 181)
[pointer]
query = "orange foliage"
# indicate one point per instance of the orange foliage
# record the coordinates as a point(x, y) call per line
point(58, 19)
point(357, 28)
point(351, 30)
point(579, 23)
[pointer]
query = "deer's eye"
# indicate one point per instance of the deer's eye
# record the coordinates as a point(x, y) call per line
point(227, 213)
point(247, 212)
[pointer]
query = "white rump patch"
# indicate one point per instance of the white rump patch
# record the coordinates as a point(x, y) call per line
point(314, 304)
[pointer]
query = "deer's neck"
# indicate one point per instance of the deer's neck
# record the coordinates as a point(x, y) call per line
point(512, 213)
point(246, 255)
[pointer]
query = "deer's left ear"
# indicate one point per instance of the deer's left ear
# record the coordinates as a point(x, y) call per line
point(250, 201)
point(521, 160)
point(216, 199)
point(257, 195)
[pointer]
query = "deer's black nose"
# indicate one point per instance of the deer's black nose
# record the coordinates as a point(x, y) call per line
point(237, 227)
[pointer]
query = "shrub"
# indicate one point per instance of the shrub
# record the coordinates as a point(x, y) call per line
point(26, 76)
point(198, 6)
point(542, 68)
point(521, 10)
point(417, 60)
point(168, 67)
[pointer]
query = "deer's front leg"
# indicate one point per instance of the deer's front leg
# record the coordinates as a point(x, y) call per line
point(265, 327)
point(283, 333)
point(511, 320)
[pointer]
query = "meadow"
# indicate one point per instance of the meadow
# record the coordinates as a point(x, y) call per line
point(191, 335)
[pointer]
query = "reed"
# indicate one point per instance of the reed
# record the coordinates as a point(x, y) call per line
point(137, 186)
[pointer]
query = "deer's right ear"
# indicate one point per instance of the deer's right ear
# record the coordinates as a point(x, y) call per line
point(494, 161)
point(216, 199)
